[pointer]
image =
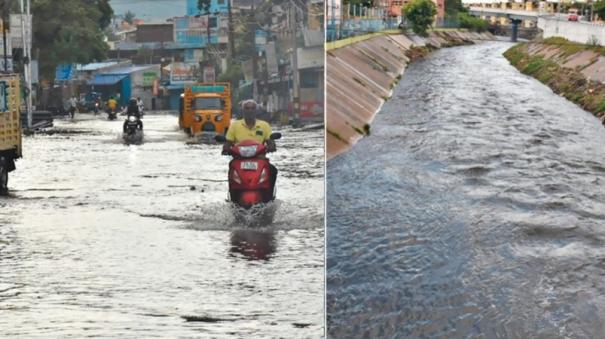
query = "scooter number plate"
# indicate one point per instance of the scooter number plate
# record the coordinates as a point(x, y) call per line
point(249, 165)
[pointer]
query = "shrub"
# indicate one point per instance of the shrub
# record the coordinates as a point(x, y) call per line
point(420, 14)
point(472, 23)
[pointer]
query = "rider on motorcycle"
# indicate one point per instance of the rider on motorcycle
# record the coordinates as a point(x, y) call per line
point(133, 110)
point(112, 104)
point(251, 128)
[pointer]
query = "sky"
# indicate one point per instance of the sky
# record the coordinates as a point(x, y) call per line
point(151, 10)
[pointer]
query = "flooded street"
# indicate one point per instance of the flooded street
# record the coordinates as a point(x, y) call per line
point(476, 209)
point(98, 238)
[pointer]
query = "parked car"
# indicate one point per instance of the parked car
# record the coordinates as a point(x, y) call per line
point(572, 15)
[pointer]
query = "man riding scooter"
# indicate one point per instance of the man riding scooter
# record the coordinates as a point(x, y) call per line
point(251, 128)
point(112, 105)
point(133, 110)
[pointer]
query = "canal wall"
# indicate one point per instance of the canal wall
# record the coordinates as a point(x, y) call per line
point(361, 76)
point(572, 70)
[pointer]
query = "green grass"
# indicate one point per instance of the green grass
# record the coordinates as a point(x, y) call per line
point(570, 48)
point(514, 55)
point(600, 106)
point(535, 64)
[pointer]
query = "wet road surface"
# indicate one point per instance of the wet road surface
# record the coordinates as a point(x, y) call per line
point(99, 238)
point(476, 209)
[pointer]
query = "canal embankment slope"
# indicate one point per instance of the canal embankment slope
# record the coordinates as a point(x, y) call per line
point(361, 75)
point(572, 70)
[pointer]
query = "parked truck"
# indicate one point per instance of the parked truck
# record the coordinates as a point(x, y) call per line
point(10, 127)
point(206, 110)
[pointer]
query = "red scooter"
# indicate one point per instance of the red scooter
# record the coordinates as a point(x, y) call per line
point(249, 173)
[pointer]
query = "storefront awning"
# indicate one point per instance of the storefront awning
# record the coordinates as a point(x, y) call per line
point(107, 79)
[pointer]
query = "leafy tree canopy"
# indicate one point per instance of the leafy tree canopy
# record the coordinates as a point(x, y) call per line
point(67, 31)
point(420, 14)
point(599, 8)
point(129, 17)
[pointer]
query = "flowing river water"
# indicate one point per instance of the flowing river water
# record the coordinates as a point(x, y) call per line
point(476, 209)
point(99, 238)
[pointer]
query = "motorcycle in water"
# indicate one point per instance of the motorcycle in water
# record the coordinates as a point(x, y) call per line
point(133, 130)
point(96, 107)
point(112, 114)
point(250, 184)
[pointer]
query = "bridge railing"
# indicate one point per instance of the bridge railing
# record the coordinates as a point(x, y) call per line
point(359, 26)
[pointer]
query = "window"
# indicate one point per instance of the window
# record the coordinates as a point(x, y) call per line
point(309, 79)
point(207, 103)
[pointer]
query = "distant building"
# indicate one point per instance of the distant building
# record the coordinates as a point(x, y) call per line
point(216, 6)
point(160, 32)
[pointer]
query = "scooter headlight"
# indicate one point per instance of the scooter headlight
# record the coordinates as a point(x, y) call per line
point(198, 118)
point(247, 151)
point(132, 118)
point(219, 117)
point(263, 176)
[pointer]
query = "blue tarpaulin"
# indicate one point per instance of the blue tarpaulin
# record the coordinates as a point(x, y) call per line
point(64, 72)
point(107, 79)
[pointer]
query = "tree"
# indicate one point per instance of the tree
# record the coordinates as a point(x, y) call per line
point(473, 23)
point(452, 7)
point(106, 13)
point(65, 32)
point(420, 14)
point(599, 8)
point(129, 17)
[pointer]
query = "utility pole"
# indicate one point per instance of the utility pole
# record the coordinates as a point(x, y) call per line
point(334, 37)
point(295, 84)
point(231, 42)
point(252, 28)
point(26, 61)
point(5, 20)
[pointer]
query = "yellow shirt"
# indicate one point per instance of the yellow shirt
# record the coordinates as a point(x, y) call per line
point(112, 103)
point(239, 131)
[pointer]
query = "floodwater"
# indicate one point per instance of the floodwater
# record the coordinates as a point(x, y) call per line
point(99, 238)
point(476, 209)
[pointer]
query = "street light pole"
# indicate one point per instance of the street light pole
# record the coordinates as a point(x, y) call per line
point(295, 84)
point(231, 42)
point(26, 62)
point(252, 28)
point(5, 21)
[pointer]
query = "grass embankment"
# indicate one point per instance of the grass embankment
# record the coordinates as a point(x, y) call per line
point(570, 48)
point(569, 83)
